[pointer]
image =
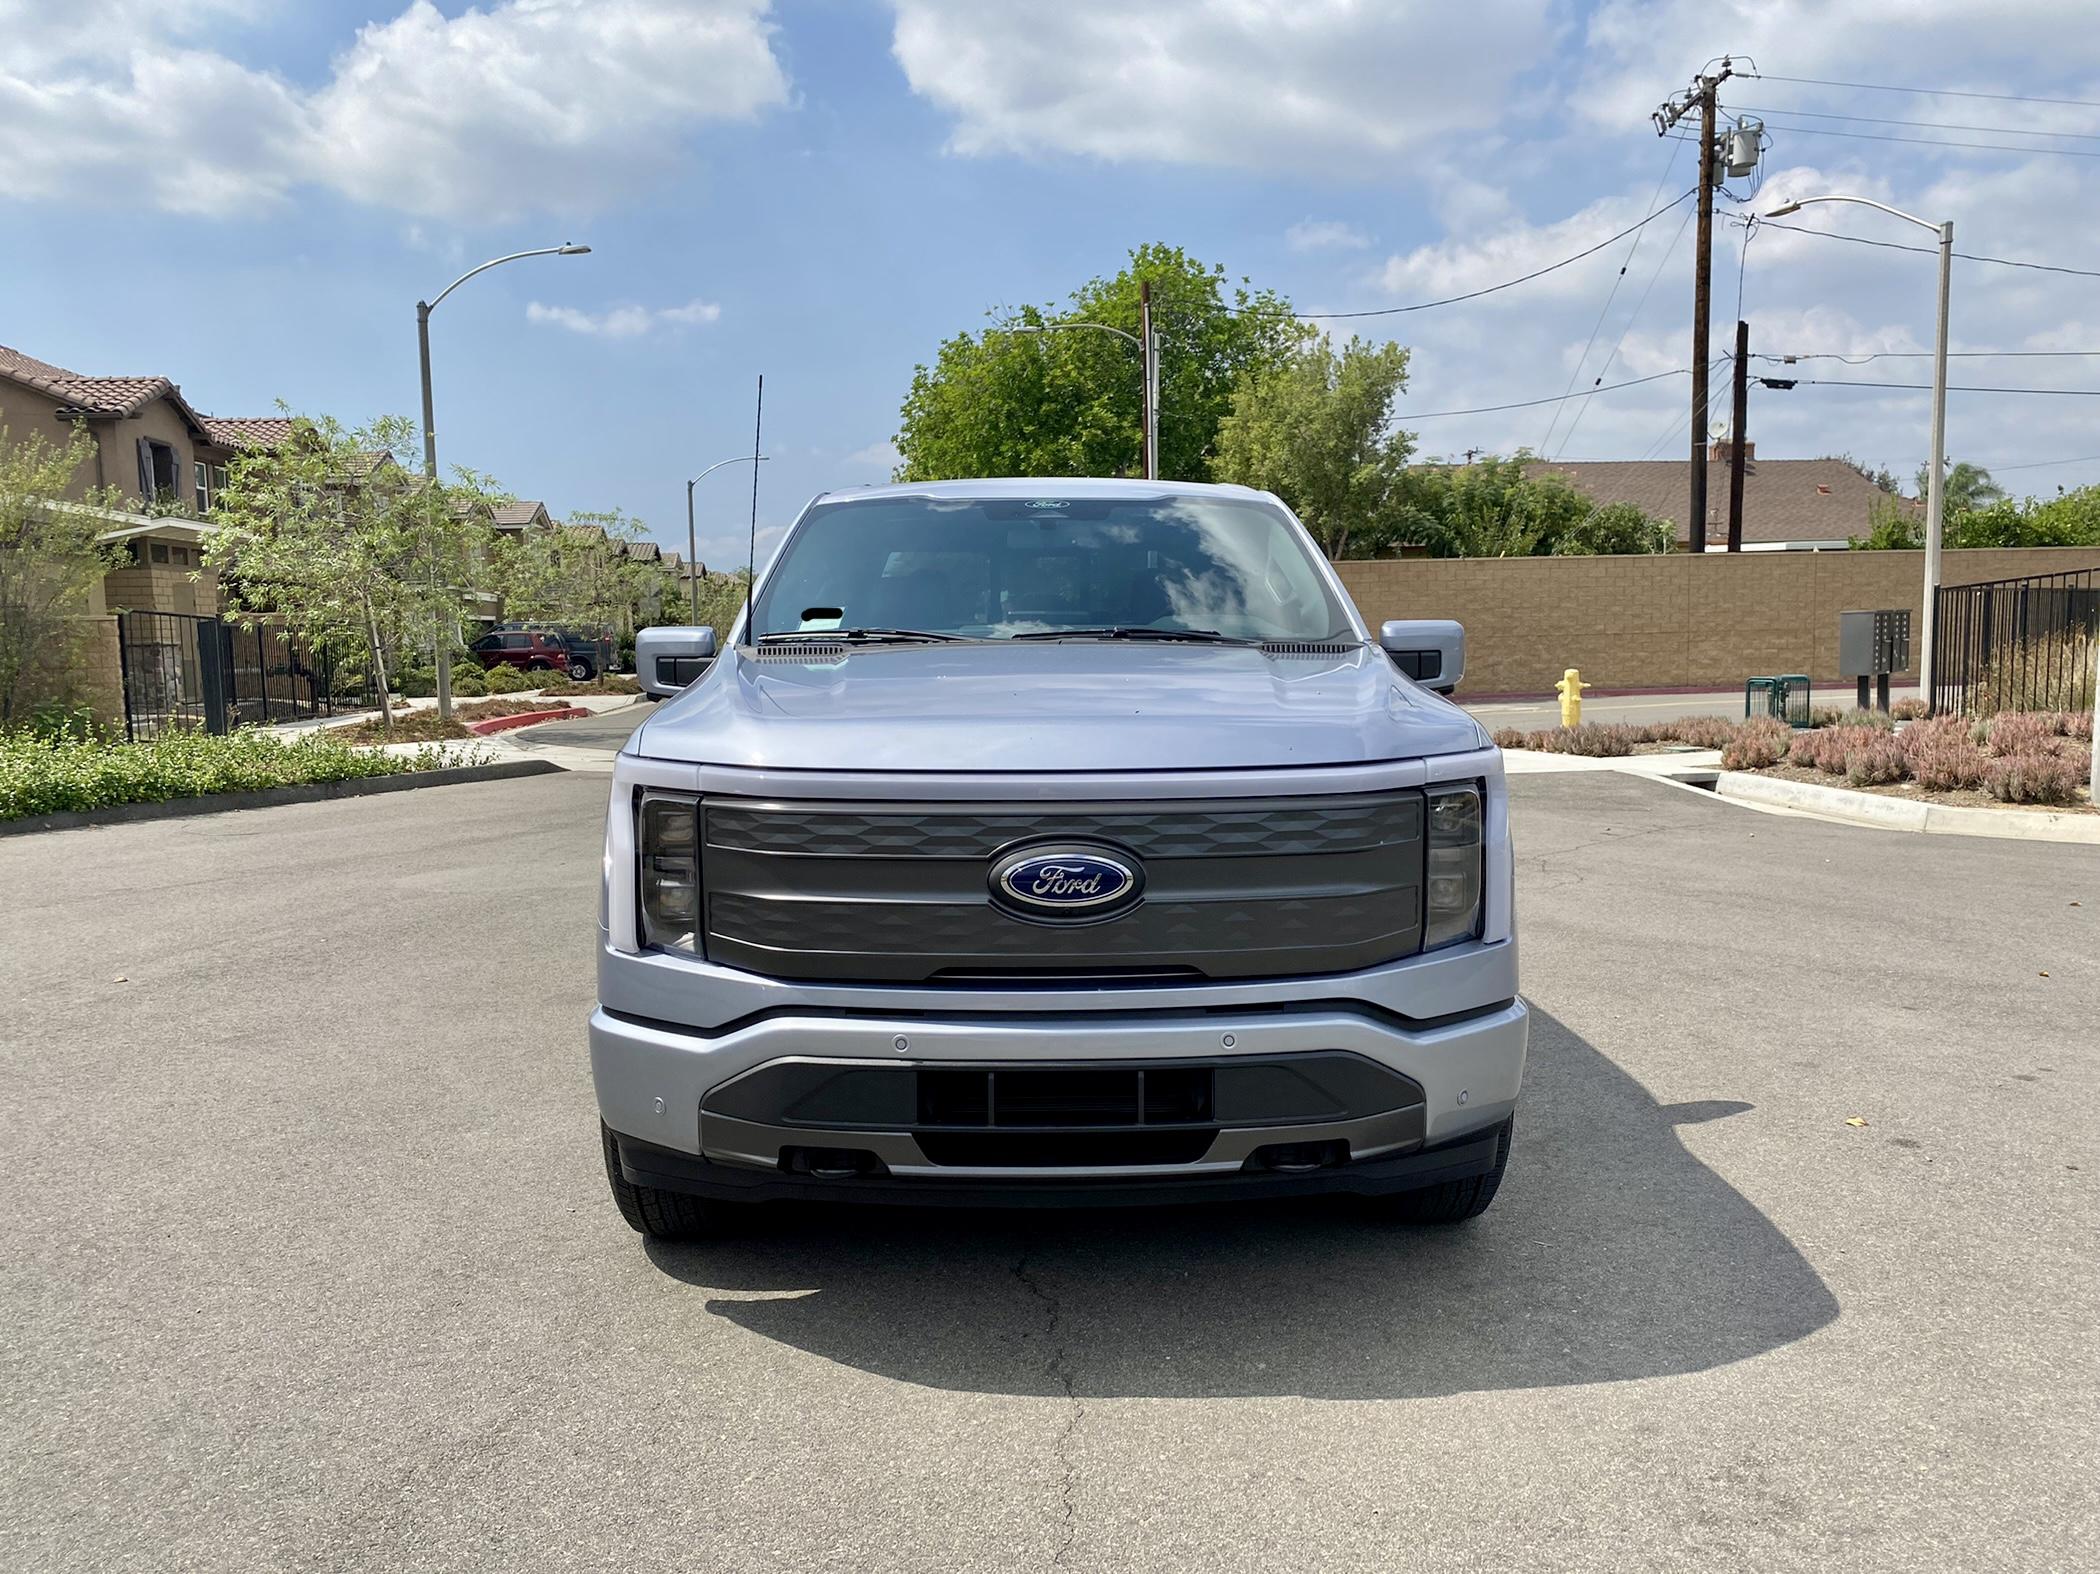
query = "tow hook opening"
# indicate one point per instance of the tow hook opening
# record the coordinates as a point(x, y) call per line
point(830, 1163)
point(1297, 1158)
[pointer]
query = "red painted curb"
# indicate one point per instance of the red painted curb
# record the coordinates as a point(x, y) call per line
point(531, 718)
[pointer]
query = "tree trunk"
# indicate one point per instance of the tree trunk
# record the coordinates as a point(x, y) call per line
point(386, 699)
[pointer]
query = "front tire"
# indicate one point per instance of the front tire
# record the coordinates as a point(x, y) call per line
point(581, 671)
point(1451, 1202)
point(653, 1212)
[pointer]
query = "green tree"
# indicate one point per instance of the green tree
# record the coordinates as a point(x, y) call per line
point(1492, 508)
point(352, 556)
point(1317, 431)
point(1966, 488)
point(580, 574)
point(50, 558)
point(1068, 402)
point(1614, 528)
point(2070, 519)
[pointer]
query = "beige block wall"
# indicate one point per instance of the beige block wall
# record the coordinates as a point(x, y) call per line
point(1674, 620)
point(95, 675)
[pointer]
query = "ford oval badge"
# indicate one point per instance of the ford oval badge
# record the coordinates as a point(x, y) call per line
point(1066, 883)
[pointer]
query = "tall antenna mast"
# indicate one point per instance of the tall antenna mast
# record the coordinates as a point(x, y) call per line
point(758, 431)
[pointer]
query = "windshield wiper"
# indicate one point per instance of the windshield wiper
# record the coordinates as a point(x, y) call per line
point(1140, 631)
point(883, 636)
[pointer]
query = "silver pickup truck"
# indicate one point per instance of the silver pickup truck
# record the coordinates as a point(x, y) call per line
point(1054, 843)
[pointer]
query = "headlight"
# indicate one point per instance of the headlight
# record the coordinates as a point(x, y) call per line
point(668, 847)
point(1452, 908)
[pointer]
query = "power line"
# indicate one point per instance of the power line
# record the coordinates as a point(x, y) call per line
point(1923, 355)
point(1926, 92)
point(1618, 344)
point(1843, 382)
point(1928, 142)
point(2044, 464)
point(1404, 416)
point(1474, 295)
point(1895, 245)
point(1926, 125)
point(1611, 295)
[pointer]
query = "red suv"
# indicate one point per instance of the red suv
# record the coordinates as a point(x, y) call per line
point(536, 650)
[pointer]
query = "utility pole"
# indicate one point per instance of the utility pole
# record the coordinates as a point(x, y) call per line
point(1150, 346)
point(1699, 96)
point(1736, 451)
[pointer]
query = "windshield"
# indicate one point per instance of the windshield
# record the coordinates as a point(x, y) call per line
point(995, 568)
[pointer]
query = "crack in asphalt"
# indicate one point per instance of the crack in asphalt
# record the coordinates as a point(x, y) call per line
point(1058, 1367)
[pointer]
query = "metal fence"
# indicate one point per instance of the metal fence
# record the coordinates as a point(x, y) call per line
point(2025, 644)
point(208, 675)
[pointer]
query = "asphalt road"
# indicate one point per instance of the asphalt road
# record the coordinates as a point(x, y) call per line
point(310, 1264)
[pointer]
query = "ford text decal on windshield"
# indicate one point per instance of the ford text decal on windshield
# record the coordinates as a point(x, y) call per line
point(1047, 502)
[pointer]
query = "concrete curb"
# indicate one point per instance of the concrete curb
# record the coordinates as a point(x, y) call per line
point(530, 718)
point(1907, 814)
point(269, 797)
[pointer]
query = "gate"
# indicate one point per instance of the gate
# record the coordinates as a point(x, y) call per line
point(203, 674)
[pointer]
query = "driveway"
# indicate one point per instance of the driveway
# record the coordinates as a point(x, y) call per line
point(310, 1263)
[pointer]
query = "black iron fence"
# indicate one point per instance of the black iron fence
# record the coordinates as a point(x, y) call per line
point(209, 675)
point(2025, 644)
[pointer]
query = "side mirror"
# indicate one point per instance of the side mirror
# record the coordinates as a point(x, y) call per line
point(667, 659)
point(1432, 651)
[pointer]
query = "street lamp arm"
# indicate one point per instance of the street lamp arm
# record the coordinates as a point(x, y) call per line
point(740, 459)
point(1098, 327)
point(1799, 203)
point(565, 249)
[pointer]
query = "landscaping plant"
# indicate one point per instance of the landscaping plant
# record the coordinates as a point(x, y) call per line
point(69, 771)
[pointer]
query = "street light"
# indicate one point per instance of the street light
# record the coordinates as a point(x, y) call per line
point(1928, 667)
point(430, 452)
point(692, 539)
point(1148, 347)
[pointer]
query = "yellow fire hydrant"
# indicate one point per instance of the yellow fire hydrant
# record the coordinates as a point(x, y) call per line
point(1570, 690)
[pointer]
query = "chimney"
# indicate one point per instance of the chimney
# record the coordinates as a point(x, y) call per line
point(1721, 451)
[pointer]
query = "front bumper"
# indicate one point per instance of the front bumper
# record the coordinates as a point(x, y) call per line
point(1460, 1079)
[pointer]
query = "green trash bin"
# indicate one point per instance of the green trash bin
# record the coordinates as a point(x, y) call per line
point(1785, 697)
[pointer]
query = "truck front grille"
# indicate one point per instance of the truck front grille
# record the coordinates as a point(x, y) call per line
point(900, 892)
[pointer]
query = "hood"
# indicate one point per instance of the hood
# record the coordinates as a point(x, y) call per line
point(1051, 707)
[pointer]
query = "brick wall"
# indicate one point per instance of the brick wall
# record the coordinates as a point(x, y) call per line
point(1667, 621)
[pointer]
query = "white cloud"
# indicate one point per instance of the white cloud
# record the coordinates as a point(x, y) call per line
point(878, 460)
point(1323, 86)
point(1325, 235)
point(624, 322)
point(522, 106)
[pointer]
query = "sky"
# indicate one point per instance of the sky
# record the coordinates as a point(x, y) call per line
point(249, 196)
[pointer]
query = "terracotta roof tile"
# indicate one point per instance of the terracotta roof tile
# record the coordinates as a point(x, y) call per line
point(248, 431)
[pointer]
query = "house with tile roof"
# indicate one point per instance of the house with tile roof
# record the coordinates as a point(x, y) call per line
point(1789, 505)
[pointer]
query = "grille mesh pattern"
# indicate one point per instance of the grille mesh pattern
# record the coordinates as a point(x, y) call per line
point(1316, 826)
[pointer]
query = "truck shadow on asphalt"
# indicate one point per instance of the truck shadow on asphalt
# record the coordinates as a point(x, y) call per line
point(1611, 1253)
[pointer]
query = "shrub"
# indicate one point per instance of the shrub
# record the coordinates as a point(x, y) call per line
point(2033, 778)
point(1880, 720)
point(2077, 724)
point(1910, 710)
point(509, 680)
point(470, 682)
point(1764, 741)
point(604, 683)
point(1509, 738)
point(1701, 732)
point(2019, 732)
point(1941, 754)
point(416, 682)
point(1597, 739)
point(56, 774)
point(1824, 716)
point(1875, 758)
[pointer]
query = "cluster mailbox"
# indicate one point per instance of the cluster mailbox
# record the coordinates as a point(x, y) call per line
point(1873, 645)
